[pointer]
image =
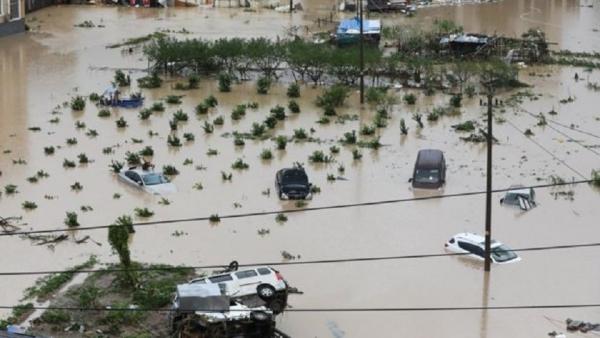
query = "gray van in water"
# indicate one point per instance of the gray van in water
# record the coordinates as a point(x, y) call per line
point(430, 170)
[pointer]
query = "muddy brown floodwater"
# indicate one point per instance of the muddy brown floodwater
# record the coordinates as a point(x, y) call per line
point(48, 66)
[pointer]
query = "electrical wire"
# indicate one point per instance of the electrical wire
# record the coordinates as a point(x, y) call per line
point(313, 262)
point(396, 309)
point(560, 132)
point(560, 124)
point(265, 213)
point(544, 149)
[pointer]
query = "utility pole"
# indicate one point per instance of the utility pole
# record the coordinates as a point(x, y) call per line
point(291, 6)
point(362, 56)
point(488, 191)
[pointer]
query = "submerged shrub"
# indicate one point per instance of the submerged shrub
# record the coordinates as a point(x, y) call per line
point(152, 81)
point(224, 82)
point(71, 220)
point(410, 98)
point(78, 103)
point(335, 96)
point(263, 85)
point(278, 112)
point(293, 91)
point(293, 106)
point(281, 141)
point(375, 95)
point(456, 100)
point(211, 101)
point(202, 109)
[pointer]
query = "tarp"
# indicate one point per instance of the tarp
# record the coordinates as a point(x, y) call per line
point(352, 26)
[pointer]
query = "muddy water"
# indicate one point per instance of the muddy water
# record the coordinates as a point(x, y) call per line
point(47, 67)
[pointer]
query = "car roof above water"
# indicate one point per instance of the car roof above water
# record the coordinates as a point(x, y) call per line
point(142, 172)
point(293, 174)
point(429, 159)
point(474, 238)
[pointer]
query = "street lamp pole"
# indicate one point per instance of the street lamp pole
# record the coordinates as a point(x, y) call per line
point(362, 56)
point(488, 191)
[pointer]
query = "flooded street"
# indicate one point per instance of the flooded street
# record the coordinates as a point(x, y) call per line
point(42, 69)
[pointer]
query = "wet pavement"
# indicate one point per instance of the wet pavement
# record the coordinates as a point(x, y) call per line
point(44, 68)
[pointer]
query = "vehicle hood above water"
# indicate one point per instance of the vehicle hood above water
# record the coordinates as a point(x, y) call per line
point(161, 189)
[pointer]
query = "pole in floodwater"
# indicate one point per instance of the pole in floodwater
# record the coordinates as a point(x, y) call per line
point(488, 191)
point(362, 56)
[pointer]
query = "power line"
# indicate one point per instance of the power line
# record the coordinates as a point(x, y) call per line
point(265, 213)
point(402, 309)
point(313, 262)
point(563, 134)
point(560, 124)
point(573, 140)
point(544, 149)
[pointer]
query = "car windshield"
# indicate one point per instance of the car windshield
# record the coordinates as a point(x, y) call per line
point(502, 253)
point(153, 179)
point(294, 176)
point(295, 186)
point(427, 175)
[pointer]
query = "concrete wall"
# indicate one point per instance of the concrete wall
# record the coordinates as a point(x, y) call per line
point(7, 26)
point(12, 27)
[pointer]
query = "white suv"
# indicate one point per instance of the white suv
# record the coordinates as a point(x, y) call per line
point(474, 246)
point(263, 281)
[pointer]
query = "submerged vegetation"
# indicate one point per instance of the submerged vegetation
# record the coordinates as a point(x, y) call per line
point(235, 58)
point(312, 63)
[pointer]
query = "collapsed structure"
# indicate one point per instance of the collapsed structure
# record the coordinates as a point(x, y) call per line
point(230, 304)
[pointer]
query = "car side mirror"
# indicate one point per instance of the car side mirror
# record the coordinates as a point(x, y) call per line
point(443, 181)
point(410, 180)
point(140, 183)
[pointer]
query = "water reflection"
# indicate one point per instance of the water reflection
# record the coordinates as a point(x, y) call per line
point(485, 303)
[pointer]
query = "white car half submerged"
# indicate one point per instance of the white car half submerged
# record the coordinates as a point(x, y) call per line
point(473, 246)
point(148, 180)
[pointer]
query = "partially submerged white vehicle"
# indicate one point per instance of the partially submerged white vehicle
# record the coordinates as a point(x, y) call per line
point(148, 180)
point(473, 246)
point(263, 282)
point(520, 196)
point(202, 310)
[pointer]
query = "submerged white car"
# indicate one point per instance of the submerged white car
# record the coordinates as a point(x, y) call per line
point(474, 246)
point(148, 180)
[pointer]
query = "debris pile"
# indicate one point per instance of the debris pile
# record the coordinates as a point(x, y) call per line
point(480, 137)
point(581, 326)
